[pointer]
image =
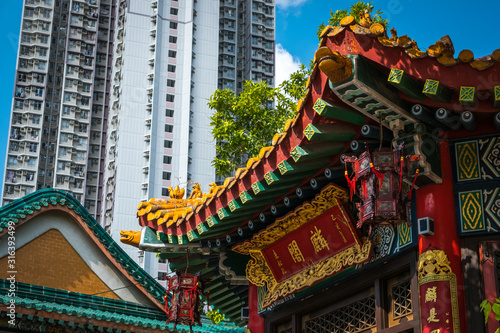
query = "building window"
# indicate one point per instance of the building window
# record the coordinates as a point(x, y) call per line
point(174, 11)
point(173, 25)
point(169, 128)
point(167, 144)
point(161, 275)
point(39, 92)
point(166, 175)
point(167, 159)
point(171, 68)
point(164, 192)
point(170, 83)
point(170, 98)
point(172, 54)
point(172, 39)
point(169, 113)
point(41, 65)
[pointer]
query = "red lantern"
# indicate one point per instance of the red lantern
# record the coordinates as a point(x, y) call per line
point(185, 303)
point(380, 176)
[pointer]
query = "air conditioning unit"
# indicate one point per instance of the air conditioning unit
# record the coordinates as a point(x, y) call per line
point(26, 158)
point(20, 158)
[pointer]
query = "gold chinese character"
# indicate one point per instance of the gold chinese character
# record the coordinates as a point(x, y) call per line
point(275, 255)
point(283, 271)
point(294, 250)
point(432, 316)
point(430, 295)
point(436, 331)
point(318, 241)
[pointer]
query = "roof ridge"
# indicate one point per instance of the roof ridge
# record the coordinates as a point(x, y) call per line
point(27, 205)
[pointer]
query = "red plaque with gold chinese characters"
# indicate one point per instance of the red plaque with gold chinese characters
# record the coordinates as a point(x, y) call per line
point(315, 241)
point(438, 294)
point(319, 239)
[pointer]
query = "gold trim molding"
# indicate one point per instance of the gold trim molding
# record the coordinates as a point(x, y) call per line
point(433, 262)
point(301, 215)
point(259, 273)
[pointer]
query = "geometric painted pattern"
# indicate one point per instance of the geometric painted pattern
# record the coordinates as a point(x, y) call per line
point(477, 186)
point(497, 93)
point(467, 94)
point(491, 157)
point(492, 208)
point(471, 210)
point(430, 87)
point(382, 238)
point(404, 234)
point(319, 106)
point(467, 160)
point(396, 75)
point(309, 132)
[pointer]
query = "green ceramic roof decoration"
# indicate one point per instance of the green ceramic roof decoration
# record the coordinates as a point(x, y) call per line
point(406, 84)
point(98, 308)
point(27, 205)
point(467, 96)
point(315, 151)
point(436, 91)
point(329, 132)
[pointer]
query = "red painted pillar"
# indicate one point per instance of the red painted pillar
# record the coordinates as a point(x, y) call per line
point(437, 202)
point(255, 321)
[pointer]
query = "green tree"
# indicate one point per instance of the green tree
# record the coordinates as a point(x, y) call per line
point(354, 11)
point(243, 124)
point(487, 306)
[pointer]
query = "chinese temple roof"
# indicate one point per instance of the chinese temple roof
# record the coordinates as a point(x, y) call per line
point(50, 306)
point(361, 77)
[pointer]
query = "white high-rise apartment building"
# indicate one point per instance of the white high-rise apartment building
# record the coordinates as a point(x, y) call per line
point(59, 107)
point(119, 113)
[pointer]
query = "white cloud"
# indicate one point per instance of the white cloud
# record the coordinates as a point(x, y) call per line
point(284, 4)
point(286, 64)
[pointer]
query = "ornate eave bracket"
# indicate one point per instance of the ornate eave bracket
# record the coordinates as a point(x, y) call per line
point(229, 274)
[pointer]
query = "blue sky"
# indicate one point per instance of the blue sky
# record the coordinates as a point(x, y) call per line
point(471, 25)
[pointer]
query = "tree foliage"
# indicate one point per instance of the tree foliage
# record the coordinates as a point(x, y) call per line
point(243, 124)
point(487, 306)
point(354, 11)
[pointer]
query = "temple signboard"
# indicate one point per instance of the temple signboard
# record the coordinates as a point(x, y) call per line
point(438, 294)
point(326, 235)
point(315, 241)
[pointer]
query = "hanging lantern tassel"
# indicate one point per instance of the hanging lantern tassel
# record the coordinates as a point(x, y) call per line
point(417, 159)
point(380, 176)
point(413, 184)
point(401, 174)
point(192, 289)
point(351, 183)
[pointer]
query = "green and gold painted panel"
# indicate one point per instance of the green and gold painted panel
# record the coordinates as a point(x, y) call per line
point(477, 184)
point(467, 161)
point(471, 211)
